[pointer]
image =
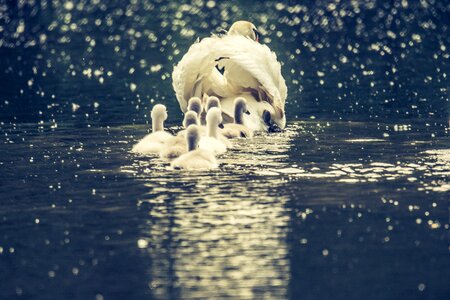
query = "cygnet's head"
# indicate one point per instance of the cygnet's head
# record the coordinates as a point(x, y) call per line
point(195, 104)
point(159, 112)
point(190, 118)
point(214, 117)
point(240, 104)
point(212, 101)
point(246, 29)
point(192, 137)
point(240, 107)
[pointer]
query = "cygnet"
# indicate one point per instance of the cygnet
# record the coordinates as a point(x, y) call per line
point(211, 141)
point(176, 146)
point(153, 143)
point(195, 158)
point(238, 129)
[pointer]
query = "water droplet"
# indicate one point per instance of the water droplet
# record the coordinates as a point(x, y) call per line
point(142, 244)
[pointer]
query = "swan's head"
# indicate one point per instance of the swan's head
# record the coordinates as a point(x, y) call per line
point(275, 120)
point(192, 137)
point(159, 112)
point(195, 104)
point(246, 29)
point(190, 118)
point(214, 117)
point(211, 102)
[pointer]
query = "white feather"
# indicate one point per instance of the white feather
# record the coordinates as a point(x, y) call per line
point(251, 71)
point(212, 144)
point(198, 159)
point(152, 143)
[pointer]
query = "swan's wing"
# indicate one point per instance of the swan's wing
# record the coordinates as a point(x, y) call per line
point(251, 69)
point(252, 66)
point(192, 75)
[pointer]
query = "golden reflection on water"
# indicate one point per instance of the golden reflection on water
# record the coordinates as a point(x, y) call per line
point(435, 164)
point(438, 165)
point(224, 232)
point(219, 233)
point(224, 244)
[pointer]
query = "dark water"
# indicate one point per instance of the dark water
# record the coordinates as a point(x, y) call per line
point(350, 202)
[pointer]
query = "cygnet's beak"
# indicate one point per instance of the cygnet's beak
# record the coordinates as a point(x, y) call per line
point(221, 126)
point(247, 112)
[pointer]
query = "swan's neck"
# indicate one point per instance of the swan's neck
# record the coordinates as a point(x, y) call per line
point(190, 120)
point(212, 130)
point(191, 143)
point(238, 119)
point(196, 107)
point(157, 124)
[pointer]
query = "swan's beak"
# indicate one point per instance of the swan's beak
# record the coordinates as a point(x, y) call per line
point(257, 35)
point(221, 126)
point(272, 126)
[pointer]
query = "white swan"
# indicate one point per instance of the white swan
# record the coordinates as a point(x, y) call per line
point(195, 159)
point(176, 146)
point(152, 143)
point(211, 141)
point(238, 129)
point(230, 66)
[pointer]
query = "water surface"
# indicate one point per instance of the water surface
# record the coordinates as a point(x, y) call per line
point(350, 202)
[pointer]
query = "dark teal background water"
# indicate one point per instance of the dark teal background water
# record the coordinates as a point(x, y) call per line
point(350, 202)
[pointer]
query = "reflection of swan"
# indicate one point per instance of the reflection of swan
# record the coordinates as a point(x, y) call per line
point(235, 65)
point(211, 142)
point(195, 159)
point(238, 129)
point(153, 142)
point(176, 146)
